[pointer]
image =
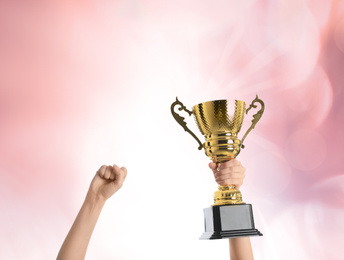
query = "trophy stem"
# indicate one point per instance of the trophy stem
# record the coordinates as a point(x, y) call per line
point(227, 195)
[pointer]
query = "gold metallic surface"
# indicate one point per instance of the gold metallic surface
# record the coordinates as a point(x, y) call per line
point(227, 195)
point(220, 122)
point(256, 116)
point(180, 120)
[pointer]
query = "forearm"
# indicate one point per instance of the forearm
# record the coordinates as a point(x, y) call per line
point(75, 245)
point(240, 248)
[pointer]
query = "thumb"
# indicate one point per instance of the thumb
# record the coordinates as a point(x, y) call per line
point(124, 170)
point(213, 166)
point(120, 174)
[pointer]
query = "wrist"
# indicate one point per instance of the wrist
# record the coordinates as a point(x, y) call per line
point(95, 199)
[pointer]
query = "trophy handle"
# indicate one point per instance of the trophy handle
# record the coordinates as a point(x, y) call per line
point(256, 117)
point(180, 120)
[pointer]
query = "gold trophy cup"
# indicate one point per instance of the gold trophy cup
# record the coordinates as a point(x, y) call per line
point(220, 122)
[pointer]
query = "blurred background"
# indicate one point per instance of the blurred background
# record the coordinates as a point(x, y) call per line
point(86, 83)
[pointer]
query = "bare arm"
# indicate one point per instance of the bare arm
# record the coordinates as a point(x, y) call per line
point(240, 248)
point(107, 181)
point(232, 172)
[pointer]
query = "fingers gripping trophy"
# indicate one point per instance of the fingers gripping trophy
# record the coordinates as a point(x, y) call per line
point(220, 122)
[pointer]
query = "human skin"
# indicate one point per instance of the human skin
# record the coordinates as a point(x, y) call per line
point(233, 173)
point(108, 180)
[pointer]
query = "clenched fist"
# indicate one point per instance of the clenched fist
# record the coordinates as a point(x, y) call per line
point(231, 172)
point(107, 181)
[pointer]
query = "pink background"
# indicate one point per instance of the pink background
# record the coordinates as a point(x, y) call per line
point(86, 83)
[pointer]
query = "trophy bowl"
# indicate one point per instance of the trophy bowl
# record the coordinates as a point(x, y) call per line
point(220, 122)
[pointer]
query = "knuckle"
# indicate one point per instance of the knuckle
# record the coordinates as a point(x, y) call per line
point(225, 182)
point(236, 162)
point(220, 182)
point(228, 163)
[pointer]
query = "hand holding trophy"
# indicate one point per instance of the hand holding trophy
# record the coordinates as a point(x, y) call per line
point(220, 122)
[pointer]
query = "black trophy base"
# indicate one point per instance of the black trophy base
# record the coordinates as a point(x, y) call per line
point(228, 221)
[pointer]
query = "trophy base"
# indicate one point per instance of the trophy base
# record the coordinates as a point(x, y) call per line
point(229, 221)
